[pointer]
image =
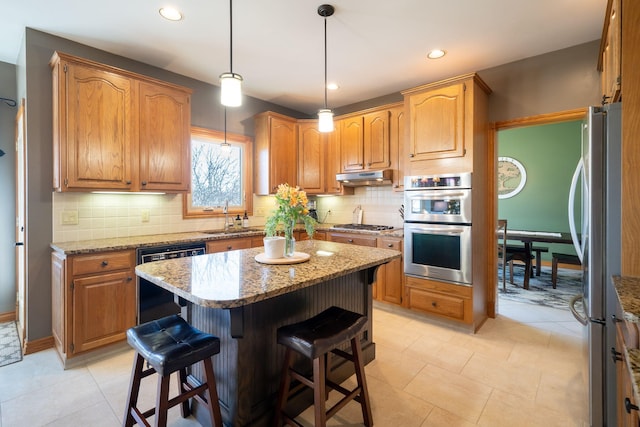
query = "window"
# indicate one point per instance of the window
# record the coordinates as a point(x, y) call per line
point(219, 174)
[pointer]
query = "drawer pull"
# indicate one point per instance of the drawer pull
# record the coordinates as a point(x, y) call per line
point(350, 240)
point(105, 263)
point(616, 356)
point(390, 245)
point(434, 304)
point(628, 406)
point(229, 247)
point(129, 279)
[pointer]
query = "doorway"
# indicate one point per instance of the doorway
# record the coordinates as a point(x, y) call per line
point(539, 203)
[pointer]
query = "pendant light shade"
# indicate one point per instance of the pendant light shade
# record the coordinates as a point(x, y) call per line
point(325, 115)
point(231, 83)
point(231, 89)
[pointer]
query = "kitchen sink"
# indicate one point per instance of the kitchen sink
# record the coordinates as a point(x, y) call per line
point(231, 231)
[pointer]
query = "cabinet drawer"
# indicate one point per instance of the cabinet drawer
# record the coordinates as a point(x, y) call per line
point(102, 262)
point(390, 243)
point(353, 239)
point(443, 305)
point(227, 245)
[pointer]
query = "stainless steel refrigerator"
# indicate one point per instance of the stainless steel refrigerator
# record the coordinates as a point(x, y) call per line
point(597, 182)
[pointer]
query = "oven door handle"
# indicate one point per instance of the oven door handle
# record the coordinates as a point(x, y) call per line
point(437, 194)
point(436, 230)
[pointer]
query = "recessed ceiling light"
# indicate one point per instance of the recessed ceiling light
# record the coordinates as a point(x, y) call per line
point(333, 86)
point(170, 13)
point(436, 53)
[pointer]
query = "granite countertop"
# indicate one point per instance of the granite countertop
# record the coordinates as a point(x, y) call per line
point(123, 243)
point(235, 278)
point(628, 290)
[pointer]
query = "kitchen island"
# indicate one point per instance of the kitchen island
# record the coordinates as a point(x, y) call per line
point(244, 302)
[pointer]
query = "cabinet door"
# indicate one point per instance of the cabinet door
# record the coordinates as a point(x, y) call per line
point(165, 145)
point(376, 140)
point(104, 307)
point(390, 277)
point(351, 141)
point(214, 246)
point(612, 53)
point(311, 158)
point(396, 142)
point(95, 130)
point(282, 153)
point(58, 298)
point(437, 123)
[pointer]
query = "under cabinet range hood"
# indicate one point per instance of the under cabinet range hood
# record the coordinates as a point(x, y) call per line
point(368, 178)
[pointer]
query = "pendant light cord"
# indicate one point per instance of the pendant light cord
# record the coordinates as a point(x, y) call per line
point(231, 36)
point(325, 62)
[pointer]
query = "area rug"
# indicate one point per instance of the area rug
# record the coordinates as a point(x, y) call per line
point(541, 291)
point(10, 351)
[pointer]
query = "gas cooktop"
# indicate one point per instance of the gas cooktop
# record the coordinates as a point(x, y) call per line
point(367, 227)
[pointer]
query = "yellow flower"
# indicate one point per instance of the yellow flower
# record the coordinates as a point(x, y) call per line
point(291, 208)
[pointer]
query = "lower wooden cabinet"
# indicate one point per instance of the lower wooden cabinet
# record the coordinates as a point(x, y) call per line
point(627, 415)
point(439, 298)
point(214, 246)
point(390, 277)
point(389, 286)
point(94, 300)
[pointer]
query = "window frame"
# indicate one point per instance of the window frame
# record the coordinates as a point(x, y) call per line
point(188, 212)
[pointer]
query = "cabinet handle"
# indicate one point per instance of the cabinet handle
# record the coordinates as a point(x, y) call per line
point(615, 318)
point(105, 263)
point(350, 240)
point(434, 304)
point(128, 182)
point(129, 279)
point(628, 406)
point(144, 182)
point(616, 356)
point(229, 247)
point(395, 186)
point(390, 245)
point(369, 164)
point(412, 155)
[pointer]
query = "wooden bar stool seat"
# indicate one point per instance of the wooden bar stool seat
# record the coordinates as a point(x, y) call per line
point(315, 338)
point(168, 345)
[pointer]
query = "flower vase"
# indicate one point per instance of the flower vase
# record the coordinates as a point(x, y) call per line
point(289, 246)
point(289, 240)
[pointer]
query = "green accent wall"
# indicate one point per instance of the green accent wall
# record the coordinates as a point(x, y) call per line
point(549, 154)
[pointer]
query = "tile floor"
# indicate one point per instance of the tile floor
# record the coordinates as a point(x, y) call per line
point(522, 368)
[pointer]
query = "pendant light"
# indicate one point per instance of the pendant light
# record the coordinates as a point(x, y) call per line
point(325, 115)
point(231, 83)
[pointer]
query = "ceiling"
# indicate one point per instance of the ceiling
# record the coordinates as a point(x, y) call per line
point(375, 47)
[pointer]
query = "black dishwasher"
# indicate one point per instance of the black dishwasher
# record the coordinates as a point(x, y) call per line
point(155, 302)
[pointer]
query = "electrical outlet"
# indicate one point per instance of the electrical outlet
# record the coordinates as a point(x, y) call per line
point(70, 217)
point(259, 212)
point(145, 215)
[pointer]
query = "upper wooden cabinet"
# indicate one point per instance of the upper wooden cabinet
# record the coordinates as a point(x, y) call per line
point(610, 63)
point(312, 149)
point(397, 117)
point(164, 164)
point(365, 141)
point(444, 120)
point(117, 130)
point(275, 152)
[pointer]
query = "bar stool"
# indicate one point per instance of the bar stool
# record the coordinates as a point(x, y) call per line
point(316, 338)
point(168, 345)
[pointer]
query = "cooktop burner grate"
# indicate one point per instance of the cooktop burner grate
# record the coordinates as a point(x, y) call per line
point(369, 227)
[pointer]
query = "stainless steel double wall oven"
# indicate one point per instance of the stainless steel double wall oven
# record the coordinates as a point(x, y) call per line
point(437, 227)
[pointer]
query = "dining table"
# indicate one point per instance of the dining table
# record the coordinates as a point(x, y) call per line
point(529, 237)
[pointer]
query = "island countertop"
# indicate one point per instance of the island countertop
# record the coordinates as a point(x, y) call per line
point(234, 279)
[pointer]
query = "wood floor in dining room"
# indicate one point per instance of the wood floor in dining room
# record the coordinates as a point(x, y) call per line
point(522, 368)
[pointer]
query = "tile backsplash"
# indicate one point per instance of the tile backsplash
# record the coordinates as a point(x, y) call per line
point(87, 216)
